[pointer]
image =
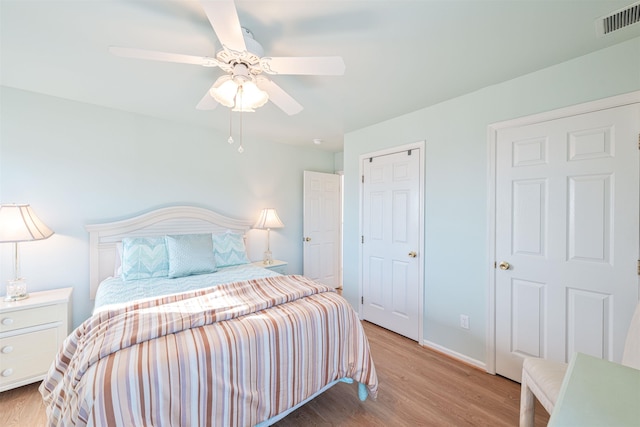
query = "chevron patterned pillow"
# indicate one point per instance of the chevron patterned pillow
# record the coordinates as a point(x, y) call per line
point(229, 249)
point(144, 257)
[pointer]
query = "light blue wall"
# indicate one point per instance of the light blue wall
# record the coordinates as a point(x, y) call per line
point(79, 164)
point(338, 161)
point(456, 260)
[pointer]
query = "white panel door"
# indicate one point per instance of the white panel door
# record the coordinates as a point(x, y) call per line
point(322, 240)
point(567, 201)
point(390, 255)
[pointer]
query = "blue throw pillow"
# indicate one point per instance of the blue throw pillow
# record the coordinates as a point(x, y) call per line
point(229, 249)
point(190, 254)
point(144, 257)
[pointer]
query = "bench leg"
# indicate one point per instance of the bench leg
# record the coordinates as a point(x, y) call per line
point(527, 404)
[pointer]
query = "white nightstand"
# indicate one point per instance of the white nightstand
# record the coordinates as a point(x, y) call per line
point(277, 266)
point(31, 333)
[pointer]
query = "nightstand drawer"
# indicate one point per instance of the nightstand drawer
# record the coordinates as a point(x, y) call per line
point(27, 355)
point(31, 317)
point(31, 332)
point(282, 269)
point(277, 265)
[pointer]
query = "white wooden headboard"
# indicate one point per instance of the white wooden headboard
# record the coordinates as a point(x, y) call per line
point(103, 238)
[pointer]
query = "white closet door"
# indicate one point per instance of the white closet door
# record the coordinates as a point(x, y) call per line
point(391, 239)
point(567, 214)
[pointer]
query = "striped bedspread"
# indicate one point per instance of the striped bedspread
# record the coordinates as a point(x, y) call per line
point(232, 355)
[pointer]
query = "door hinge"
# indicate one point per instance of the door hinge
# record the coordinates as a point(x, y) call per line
point(495, 264)
point(361, 239)
point(361, 300)
point(409, 152)
point(639, 267)
point(363, 179)
point(639, 141)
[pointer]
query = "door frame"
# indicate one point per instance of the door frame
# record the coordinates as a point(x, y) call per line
point(421, 145)
point(492, 136)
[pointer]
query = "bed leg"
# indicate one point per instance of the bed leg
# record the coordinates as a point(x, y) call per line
point(362, 389)
point(362, 392)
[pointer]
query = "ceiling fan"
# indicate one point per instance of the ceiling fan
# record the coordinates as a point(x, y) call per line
point(244, 86)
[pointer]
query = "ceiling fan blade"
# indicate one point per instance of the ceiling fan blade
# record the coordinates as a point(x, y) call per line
point(154, 55)
point(278, 96)
point(312, 65)
point(223, 17)
point(207, 102)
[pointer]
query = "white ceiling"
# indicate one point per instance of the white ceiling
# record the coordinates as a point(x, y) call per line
point(400, 56)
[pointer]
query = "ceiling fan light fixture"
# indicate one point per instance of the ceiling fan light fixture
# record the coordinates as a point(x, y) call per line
point(239, 93)
point(224, 90)
point(252, 97)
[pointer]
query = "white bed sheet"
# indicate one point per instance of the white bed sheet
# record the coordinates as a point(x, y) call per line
point(114, 290)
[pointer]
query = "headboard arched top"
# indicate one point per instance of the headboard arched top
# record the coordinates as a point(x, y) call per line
point(104, 238)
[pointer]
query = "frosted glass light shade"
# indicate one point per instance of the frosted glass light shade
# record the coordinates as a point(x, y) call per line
point(224, 91)
point(250, 97)
point(239, 93)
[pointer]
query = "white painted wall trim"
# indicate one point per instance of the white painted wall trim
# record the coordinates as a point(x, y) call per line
point(492, 133)
point(421, 145)
point(455, 355)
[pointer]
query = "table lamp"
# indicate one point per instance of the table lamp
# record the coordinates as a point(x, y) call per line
point(268, 219)
point(18, 223)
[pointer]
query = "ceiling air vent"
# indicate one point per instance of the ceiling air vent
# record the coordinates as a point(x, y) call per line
point(619, 19)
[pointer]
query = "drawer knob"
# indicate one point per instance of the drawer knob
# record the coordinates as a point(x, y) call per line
point(7, 321)
point(7, 349)
point(7, 372)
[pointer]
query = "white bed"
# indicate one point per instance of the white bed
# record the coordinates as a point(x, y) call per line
point(104, 238)
point(251, 350)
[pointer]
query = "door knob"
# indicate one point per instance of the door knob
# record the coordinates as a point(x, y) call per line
point(307, 239)
point(504, 265)
point(412, 254)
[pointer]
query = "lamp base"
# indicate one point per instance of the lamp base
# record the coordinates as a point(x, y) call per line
point(268, 258)
point(16, 290)
point(16, 298)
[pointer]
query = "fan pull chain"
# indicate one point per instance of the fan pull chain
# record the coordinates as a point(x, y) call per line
point(230, 140)
point(240, 148)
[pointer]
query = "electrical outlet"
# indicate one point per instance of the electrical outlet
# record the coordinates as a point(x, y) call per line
point(464, 321)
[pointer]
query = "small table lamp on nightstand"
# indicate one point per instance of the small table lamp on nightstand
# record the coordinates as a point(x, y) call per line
point(268, 219)
point(18, 223)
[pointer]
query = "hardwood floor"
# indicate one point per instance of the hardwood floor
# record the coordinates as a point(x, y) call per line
point(418, 387)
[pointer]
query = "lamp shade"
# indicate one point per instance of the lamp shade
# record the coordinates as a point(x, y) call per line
point(18, 223)
point(268, 219)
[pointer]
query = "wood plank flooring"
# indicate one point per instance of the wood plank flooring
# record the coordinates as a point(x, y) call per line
point(418, 387)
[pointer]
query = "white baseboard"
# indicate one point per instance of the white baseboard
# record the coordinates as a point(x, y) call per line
point(455, 355)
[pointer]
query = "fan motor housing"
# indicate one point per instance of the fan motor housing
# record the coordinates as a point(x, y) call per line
point(250, 57)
